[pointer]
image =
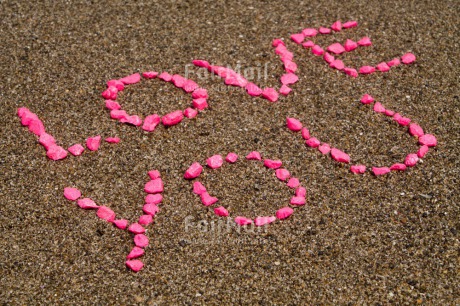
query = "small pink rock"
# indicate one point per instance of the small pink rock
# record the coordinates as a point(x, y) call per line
point(299, 201)
point(365, 41)
point(350, 45)
point(358, 169)
point(105, 213)
point(110, 93)
point(87, 203)
point(150, 74)
point(121, 224)
point(394, 62)
point(201, 63)
point(293, 124)
point(367, 99)
point(285, 90)
point(366, 70)
point(165, 76)
point(351, 72)
point(340, 156)
point(411, 160)
point(93, 143)
point(118, 114)
point(154, 174)
point(297, 38)
point(253, 90)
point(284, 213)
point(336, 48)
point(221, 211)
point(136, 228)
point(190, 113)
point(313, 142)
point(254, 155)
point(404, 121)
point(243, 221)
point(350, 24)
point(178, 80)
point(261, 221)
point(317, 50)
point(308, 44)
point(380, 170)
point(300, 192)
point(290, 66)
point(416, 130)
point(200, 103)
point(337, 26)
point(156, 198)
point(422, 151)
point(389, 113)
point(27, 117)
point(293, 182)
point(46, 140)
point(135, 265)
point(272, 164)
point(140, 240)
point(134, 120)
point(282, 174)
point(172, 118)
point(383, 67)
point(305, 133)
point(198, 188)
point(207, 199)
point(289, 78)
point(398, 167)
point(120, 86)
point(276, 42)
point(112, 139)
point(397, 116)
point(329, 58)
point(71, 193)
point(309, 32)
point(131, 79)
point(136, 252)
point(337, 64)
point(408, 58)
point(215, 161)
point(323, 30)
point(193, 171)
point(56, 152)
point(37, 127)
point(145, 219)
point(379, 108)
point(154, 186)
point(428, 140)
point(150, 209)
point(324, 148)
point(151, 122)
point(200, 93)
point(22, 111)
point(231, 157)
point(270, 94)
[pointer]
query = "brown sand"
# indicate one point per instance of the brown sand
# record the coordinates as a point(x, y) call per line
point(360, 240)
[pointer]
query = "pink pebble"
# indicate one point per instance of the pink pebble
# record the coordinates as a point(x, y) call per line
point(309, 32)
point(305, 133)
point(242, 221)
point(285, 90)
point(87, 203)
point(289, 78)
point(365, 41)
point(351, 72)
point(106, 213)
point(156, 198)
point(112, 140)
point(134, 120)
point(404, 121)
point(358, 169)
point(293, 182)
point(389, 113)
point(145, 219)
point(289, 66)
point(380, 171)
point(56, 152)
point(340, 156)
point(200, 103)
point(299, 201)
point(367, 99)
point(151, 122)
point(136, 228)
point(178, 80)
point(140, 240)
point(398, 167)
point(193, 171)
point(411, 160)
point(22, 111)
point(282, 174)
point(317, 50)
point(150, 209)
point(27, 117)
point(131, 79)
point(136, 252)
point(260, 221)
point(394, 62)
point(383, 67)
point(253, 90)
point(207, 199)
point(92, 143)
point(215, 161)
point(397, 116)
point(297, 38)
point(71, 193)
point(350, 45)
point(270, 94)
point(150, 74)
point(329, 58)
point(165, 76)
point(198, 188)
point(231, 157)
point(336, 48)
point(276, 42)
point(135, 265)
point(117, 84)
point(408, 58)
point(428, 140)
point(190, 86)
point(172, 118)
point(313, 142)
point(379, 108)
point(121, 224)
point(154, 186)
point(272, 164)
point(190, 113)
point(350, 24)
point(324, 148)
point(46, 140)
point(293, 124)
point(154, 174)
point(221, 211)
point(337, 64)
point(366, 70)
point(415, 130)
point(323, 30)
point(235, 79)
point(110, 93)
point(337, 26)
point(284, 213)
point(200, 93)
point(254, 155)
point(308, 44)
point(300, 192)
point(422, 151)
point(201, 63)
point(36, 126)
point(118, 114)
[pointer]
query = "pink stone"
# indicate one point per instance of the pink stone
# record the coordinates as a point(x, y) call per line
point(323, 30)
point(56, 152)
point(110, 93)
point(337, 26)
point(71, 193)
point(293, 182)
point(112, 139)
point(340, 156)
point(135, 265)
point(285, 90)
point(389, 113)
point(404, 121)
point(242, 221)
point(293, 124)
point(221, 211)
point(117, 84)
point(87, 203)
point(140, 240)
point(235, 79)
point(336, 48)
point(383, 67)
point(276, 42)
point(351, 72)
point(154, 174)
point(394, 62)
point(379, 108)
point(317, 50)
point(198, 188)
point(297, 38)
point(200, 103)
point(136, 252)
point(231, 157)
point(150, 209)
point(337, 64)
point(46, 140)
point(172, 118)
point(350, 24)
point(416, 130)
point(367, 99)
point(289, 78)
point(398, 167)
point(261, 221)
point(121, 224)
point(358, 169)
point(200, 93)
point(215, 161)
point(136, 228)
point(380, 171)
point(134, 120)
point(428, 140)
point(313, 142)
point(272, 164)
point(193, 171)
point(253, 90)
point(270, 94)
point(145, 219)
point(22, 111)
point(93, 143)
point(165, 76)
point(178, 80)
point(254, 155)
point(105, 213)
point(299, 201)
point(324, 148)
point(290, 66)
point(284, 213)
point(422, 151)
point(36, 126)
point(207, 199)
point(300, 192)
point(118, 114)
point(190, 113)
point(329, 58)
point(366, 70)
point(27, 118)
point(308, 44)
point(131, 79)
point(156, 198)
point(151, 122)
point(365, 41)
point(397, 116)
point(150, 74)
point(411, 160)
point(282, 174)
point(305, 133)
point(154, 186)
point(309, 32)
point(350, 45)
point(201, 63)
point(408, 58)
